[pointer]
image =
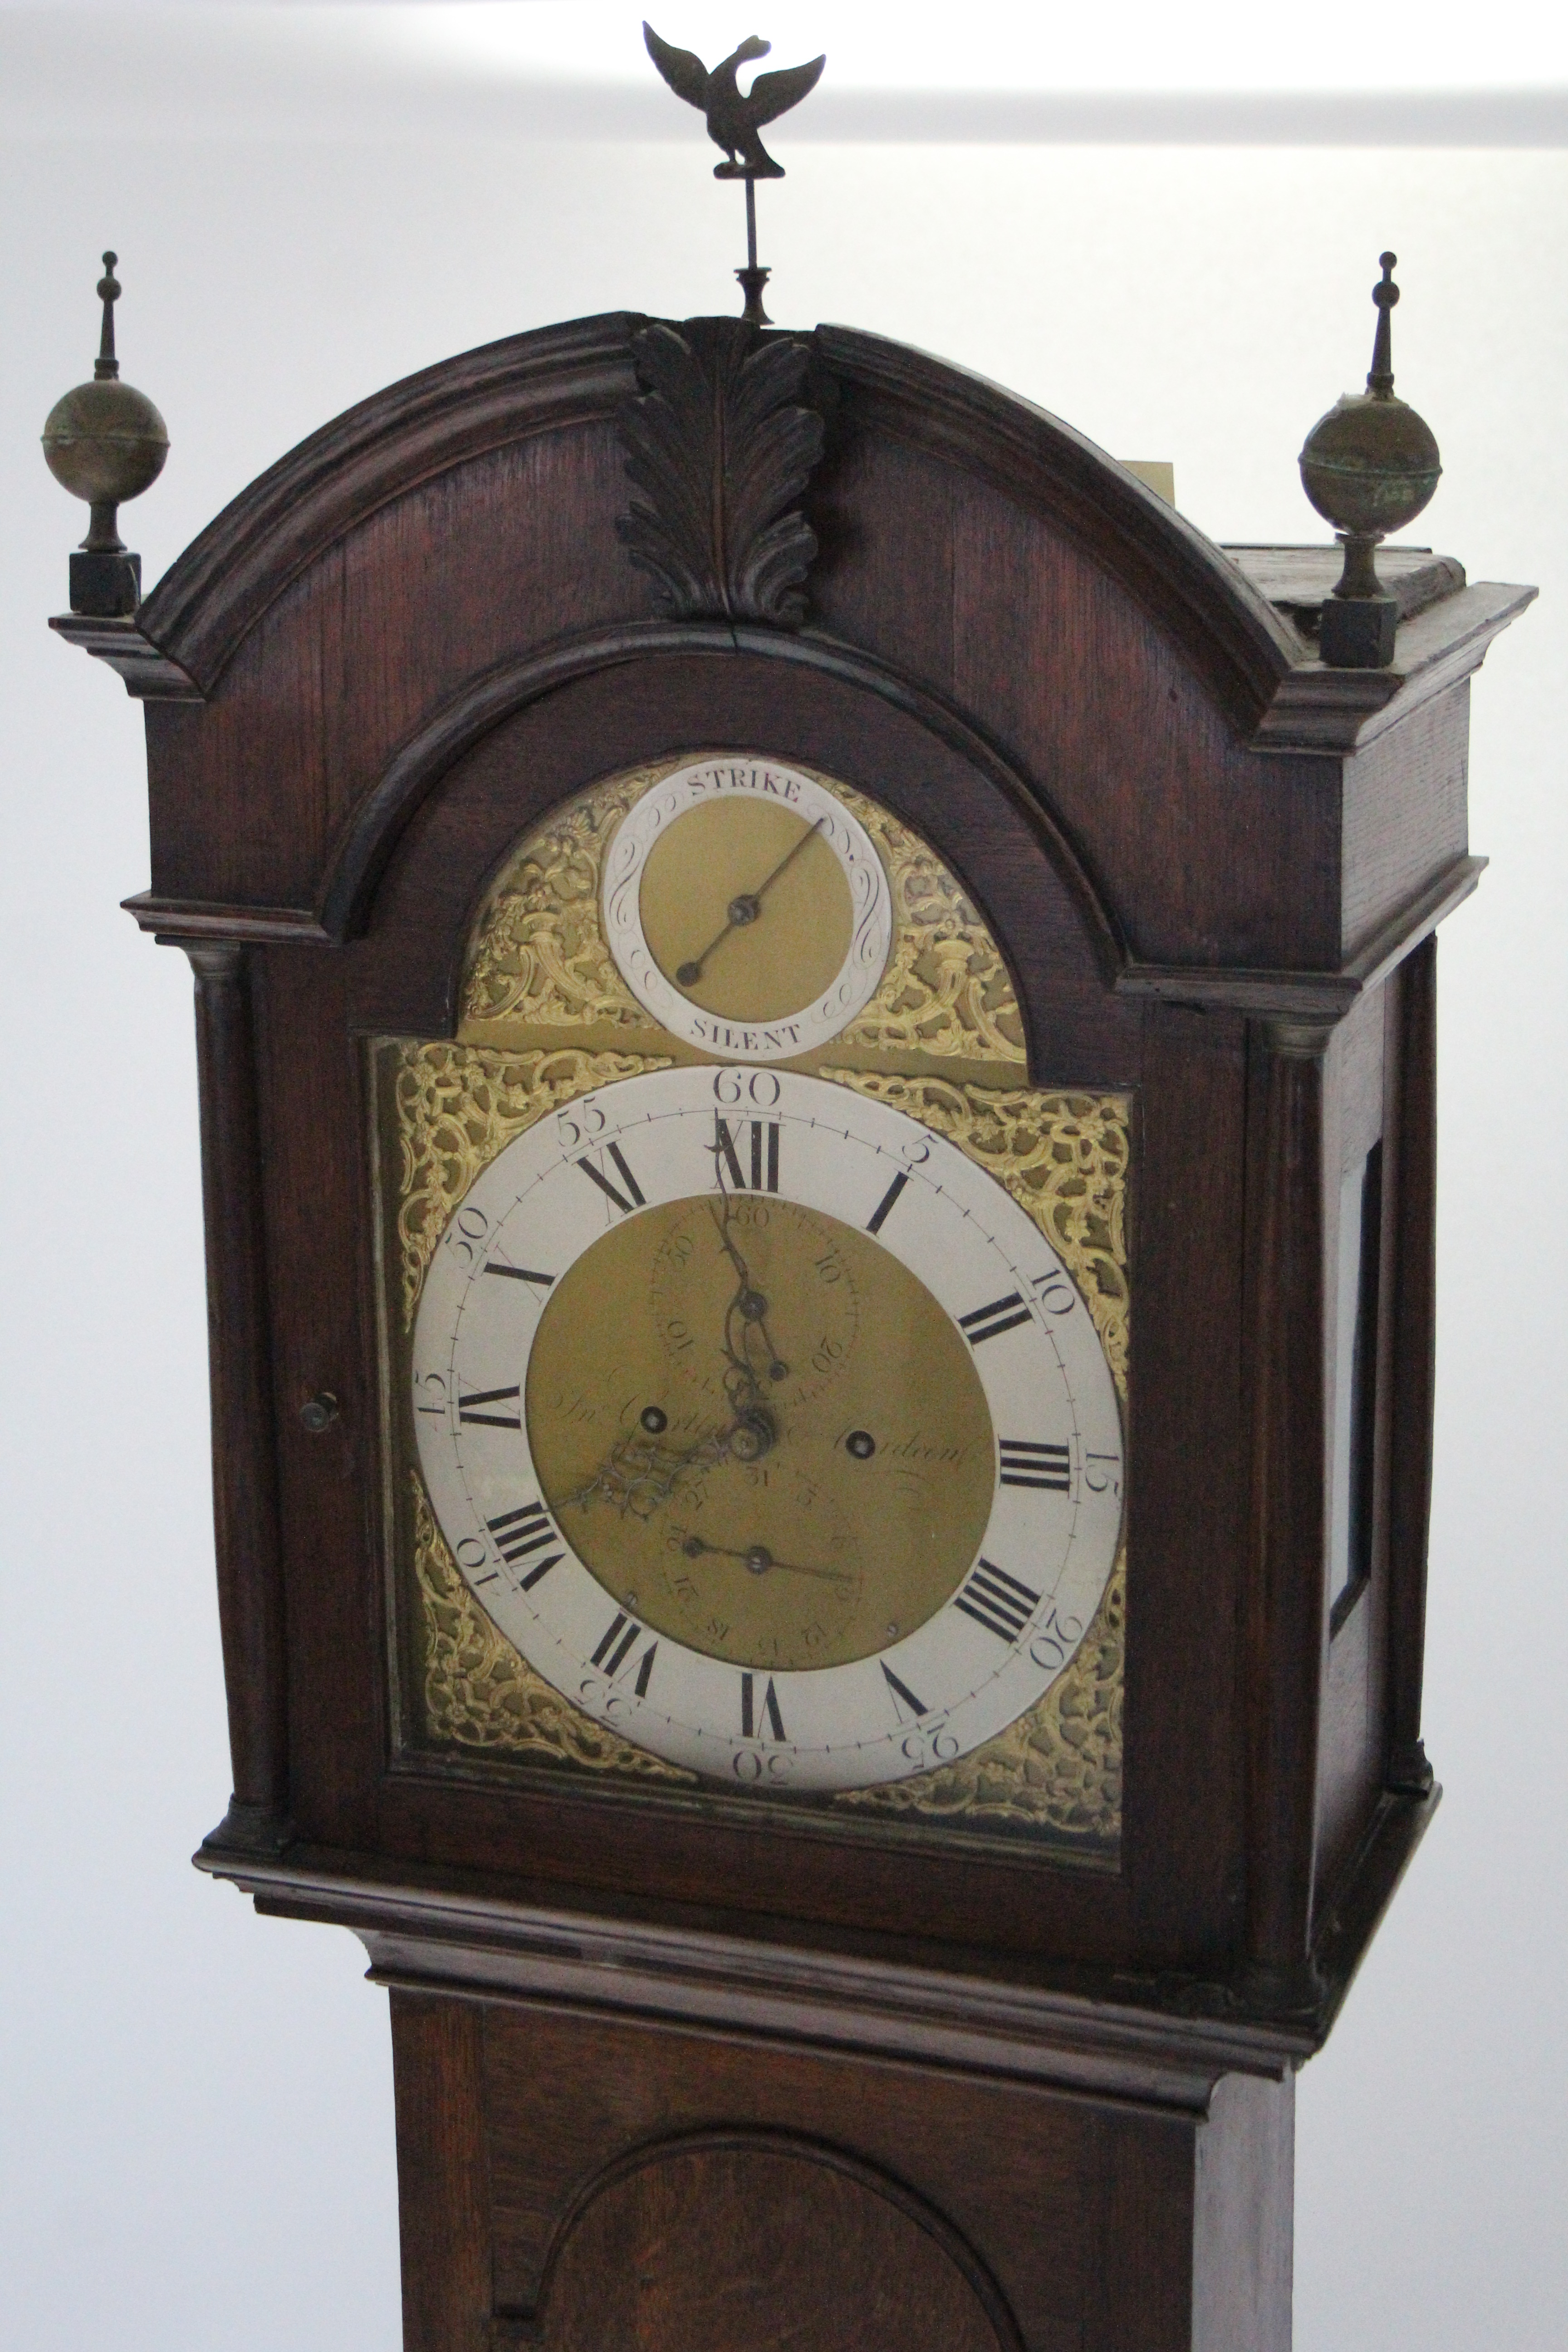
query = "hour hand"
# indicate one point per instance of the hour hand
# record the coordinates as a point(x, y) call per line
point(761, 1560)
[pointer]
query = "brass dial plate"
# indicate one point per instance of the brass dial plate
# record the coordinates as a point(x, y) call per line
point(866, 1505)
point(793, 923)
point(547, 1017)
point(747, 908)
point(998, 1627)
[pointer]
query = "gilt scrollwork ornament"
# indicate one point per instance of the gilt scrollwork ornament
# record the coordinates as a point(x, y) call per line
point(539, 954)
point(1056, 1769)
point(456, 1108)
point(546, 1018)
point(540, 960)
point(1063, 1157)
point(945, 990)
point(480, 1694)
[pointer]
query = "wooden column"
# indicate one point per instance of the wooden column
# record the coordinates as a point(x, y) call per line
point(1287, 1613)
point(244, 1440)
point(1414, 1355)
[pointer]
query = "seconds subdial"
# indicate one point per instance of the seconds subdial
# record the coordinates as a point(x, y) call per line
point(756, 1305)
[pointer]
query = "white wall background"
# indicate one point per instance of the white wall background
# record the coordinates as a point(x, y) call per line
point(195, 2128)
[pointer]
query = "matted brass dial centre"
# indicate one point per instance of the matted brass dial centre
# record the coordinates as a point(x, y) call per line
point(698, 1401)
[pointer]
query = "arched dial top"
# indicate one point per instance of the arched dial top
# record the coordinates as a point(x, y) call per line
point(768, 1427)
point(746, 909)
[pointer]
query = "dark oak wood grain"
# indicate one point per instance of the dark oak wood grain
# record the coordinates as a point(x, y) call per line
point(621, 2186)
point(731, 2240)
point(1413, 1352)
point(437, 2049)
point(680, 2066)
point(1288, 1618)
point(1353, 1746)
point(244, 1455)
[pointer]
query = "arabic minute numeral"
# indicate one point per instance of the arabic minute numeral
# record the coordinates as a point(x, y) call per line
point(1025, 1464)
point(1053, 1291)
point(989, 1322)
point(997, 1601)
point(758, 1088)
point(1103, 1473)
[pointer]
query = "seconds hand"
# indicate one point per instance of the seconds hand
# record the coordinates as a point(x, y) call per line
point(742, 910)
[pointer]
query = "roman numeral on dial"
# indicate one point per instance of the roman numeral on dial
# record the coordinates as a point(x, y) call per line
point(468, 1409)
point(763, 1156)
point(990, 1322)
point(757, 1711)
point(1025, 1464)
point(903, 1695)
point(998, 1601)
point(615, 1646)
point(597, 1176)
point(885, 1207)
point(520, 1533)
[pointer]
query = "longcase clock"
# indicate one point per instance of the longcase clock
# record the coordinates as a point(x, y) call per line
point(817, 1039)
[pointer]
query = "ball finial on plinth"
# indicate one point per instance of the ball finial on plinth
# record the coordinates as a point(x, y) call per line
point(106, 442)
point(1369, 467)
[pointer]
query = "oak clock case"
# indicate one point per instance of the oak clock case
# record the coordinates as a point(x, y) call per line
point(576, 1669)
point(755, 1397)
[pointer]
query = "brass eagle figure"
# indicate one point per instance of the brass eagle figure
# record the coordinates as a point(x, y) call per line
point(733, 122)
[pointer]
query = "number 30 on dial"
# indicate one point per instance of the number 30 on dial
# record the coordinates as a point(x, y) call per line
point(768, 1428)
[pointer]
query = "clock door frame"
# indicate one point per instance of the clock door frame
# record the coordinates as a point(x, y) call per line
point(1223, 847)
point(1177, 1901)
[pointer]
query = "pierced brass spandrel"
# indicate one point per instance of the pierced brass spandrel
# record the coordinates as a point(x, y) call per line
point(480, 1693)
point(538, 970)
point(456, 1108)
point(946, 991)
point(539, 958)
point(1064, 1159)
point(539, 954)
point(1056, 1769)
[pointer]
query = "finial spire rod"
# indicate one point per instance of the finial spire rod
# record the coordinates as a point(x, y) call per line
point(752, 279)
point(106, 367)
point(1380, 383)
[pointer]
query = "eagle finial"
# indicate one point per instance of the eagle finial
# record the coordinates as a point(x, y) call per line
point(734, 123)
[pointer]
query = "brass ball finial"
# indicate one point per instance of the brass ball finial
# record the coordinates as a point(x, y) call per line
point(106, 442)
point(1369, 467)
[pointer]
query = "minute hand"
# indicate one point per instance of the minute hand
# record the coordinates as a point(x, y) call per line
point(743, 910)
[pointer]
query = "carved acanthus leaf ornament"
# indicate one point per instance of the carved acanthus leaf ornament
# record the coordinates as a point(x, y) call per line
point(720, 447)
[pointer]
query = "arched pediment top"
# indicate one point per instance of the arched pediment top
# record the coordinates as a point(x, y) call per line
point(588, 495)
point(1234, 638)
point(214, 594)
point(580, 371)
